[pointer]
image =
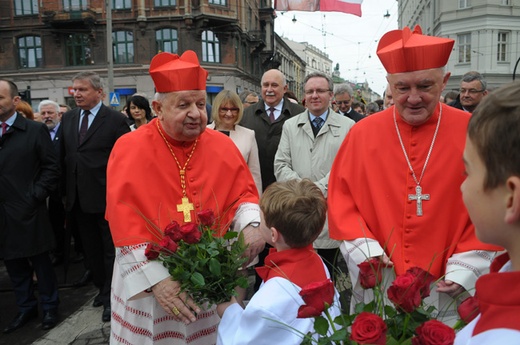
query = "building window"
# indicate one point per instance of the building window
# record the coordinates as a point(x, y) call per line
point(502, 46)
point(210, 47)
point(121, 4)
point(218, 2)
point(123, 46)
point(78, 50)
point(25, 7)
point(505, 2)
point(74, 5)
point(167, 40)
point(164, 3)
point(464, 42)
point(30, 51)
point(464, 3)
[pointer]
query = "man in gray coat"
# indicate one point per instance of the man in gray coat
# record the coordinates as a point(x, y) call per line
point(29, 172)
point(308, 146)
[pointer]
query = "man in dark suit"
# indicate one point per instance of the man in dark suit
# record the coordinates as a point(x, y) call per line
point(29, 172)
point(266, 118)
point(343, 98)
point(268, 124)
point(50, 115)
point(89, 133)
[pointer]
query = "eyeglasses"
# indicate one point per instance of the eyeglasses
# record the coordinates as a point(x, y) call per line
point(318, 91)
point(342, 102)
point(233, 110)
point(470, 91)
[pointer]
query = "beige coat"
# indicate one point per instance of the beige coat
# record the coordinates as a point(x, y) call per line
point(300, 155)
point(244, 139)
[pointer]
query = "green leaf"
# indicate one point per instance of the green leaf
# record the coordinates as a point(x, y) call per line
point(340, 334)
point(214, 266)
point(390, 311)
point(197, 279)
point(407, 342)
point(391, 341)
point(321, 325)
point(230, 234)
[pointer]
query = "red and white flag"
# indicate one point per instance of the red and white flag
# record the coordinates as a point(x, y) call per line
point(345, 6)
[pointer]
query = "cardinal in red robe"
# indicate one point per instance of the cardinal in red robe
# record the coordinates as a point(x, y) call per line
point(168, 170)
point(394, 187)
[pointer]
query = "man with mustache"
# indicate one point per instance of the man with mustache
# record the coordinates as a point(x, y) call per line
point(50, 115)
point(267, 117)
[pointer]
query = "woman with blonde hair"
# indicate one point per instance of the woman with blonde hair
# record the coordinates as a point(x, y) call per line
point(227, 111)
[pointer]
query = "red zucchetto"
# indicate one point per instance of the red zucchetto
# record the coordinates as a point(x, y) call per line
point(173, 73)
point(406, 51)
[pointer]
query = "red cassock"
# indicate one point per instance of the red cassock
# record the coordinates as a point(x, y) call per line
point(370, 184)
point(143, 182)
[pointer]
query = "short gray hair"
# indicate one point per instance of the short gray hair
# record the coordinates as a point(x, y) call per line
point(472, 76)
point(343, 88)
point(49, 102)
point(93, 78)
point(243, 95)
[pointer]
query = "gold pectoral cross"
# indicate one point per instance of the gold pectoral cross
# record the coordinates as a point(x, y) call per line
point(185, 207)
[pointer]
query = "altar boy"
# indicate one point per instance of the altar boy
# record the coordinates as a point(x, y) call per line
point(491, 193)
point(292, 216)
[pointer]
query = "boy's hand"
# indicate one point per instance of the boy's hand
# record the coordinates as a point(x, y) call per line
point(221, 308)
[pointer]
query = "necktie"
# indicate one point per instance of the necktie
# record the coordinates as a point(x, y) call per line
point(84, 126)
point(4, 128)
point(271, 114)
point(318, 122)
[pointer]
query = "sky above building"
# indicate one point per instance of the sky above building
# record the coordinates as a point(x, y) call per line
point(350, 41)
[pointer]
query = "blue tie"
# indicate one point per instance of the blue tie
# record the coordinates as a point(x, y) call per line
point(318, 122)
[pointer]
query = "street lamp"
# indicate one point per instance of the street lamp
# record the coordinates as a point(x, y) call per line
point(514, 70)
point(110, 55)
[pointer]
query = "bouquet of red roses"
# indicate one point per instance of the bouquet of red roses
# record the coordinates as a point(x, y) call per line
point(409, 321)
point(207, 267)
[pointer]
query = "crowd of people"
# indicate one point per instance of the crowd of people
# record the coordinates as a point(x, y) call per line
point(309, 185)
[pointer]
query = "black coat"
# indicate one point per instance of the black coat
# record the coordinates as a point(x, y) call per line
point(354, 115)
point(84, 166)
point(268, 134)
point(29, 172)
point(456, 103)
point(56, 195)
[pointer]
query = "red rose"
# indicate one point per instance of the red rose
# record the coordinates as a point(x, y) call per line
point(168, 246)
point(369, 328)
point(423, 279)
point(434, 332)
point(468, 309)
point(206, 217)
point(190, 233)
point(173, 230)
point(152, 251)
point(404, 293)
point(317, 296)
point(370, 273)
